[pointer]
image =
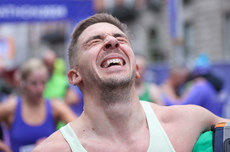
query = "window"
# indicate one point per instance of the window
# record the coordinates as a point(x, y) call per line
point(155, 5)
point(187, 2)
point(188, 40)
point(155, 51)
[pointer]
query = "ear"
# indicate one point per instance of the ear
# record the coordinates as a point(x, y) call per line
point(74, 77)
point(137, 72)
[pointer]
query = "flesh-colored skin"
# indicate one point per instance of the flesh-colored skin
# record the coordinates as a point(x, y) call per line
point(33, 103)
point(121, 125)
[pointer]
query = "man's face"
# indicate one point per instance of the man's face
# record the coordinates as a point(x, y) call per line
point(105, 55)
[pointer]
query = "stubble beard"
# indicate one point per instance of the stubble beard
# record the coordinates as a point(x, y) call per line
point(115, 90)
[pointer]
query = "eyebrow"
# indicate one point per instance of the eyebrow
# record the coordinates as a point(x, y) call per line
point(92, 38)
point(99, 36)
point(120, 35)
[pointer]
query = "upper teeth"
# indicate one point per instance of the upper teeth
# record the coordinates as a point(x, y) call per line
point(112, 61)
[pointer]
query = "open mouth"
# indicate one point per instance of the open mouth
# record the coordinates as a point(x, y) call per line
point(112, 62)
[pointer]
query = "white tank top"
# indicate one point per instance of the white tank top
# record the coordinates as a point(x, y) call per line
point(159, 141)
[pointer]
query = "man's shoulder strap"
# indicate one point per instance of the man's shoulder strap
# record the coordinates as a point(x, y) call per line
point(72, 139)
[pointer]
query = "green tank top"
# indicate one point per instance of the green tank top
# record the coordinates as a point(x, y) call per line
point(204, 142)
point(159, 141)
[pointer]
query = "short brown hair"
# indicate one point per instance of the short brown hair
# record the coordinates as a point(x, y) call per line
point(97, 18)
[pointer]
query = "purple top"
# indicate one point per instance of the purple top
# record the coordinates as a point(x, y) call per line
point(23, 135)
point(200, 93)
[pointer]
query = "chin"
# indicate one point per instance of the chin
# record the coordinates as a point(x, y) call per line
point(37, 97)
point(116, 82)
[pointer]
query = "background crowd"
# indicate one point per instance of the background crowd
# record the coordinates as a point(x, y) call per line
point(35, 93)
point(39, 90)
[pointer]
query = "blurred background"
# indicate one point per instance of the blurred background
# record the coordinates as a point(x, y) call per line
point(192, 33)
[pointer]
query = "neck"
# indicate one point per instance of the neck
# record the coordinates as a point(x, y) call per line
point(121, 117)
point(32, 102)
point(115, 96)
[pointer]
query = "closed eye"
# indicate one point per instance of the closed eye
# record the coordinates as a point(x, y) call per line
point(121, 37)
point(93, 42)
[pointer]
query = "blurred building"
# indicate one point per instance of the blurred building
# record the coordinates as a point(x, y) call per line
point(175, 31)
point(32, 39)
point(169, 31)
point(29, 28)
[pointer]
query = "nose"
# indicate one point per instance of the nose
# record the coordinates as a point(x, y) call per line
point(110, 43)
point(40, 87)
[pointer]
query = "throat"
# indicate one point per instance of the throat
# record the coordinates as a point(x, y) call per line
point(116, 94)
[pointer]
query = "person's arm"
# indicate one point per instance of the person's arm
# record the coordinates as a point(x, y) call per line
point(62, 112)
point(168, 91)
point(7, 109)
point(72, 97)
point(4, 147)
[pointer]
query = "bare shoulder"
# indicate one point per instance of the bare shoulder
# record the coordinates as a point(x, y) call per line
point(8, 106)
point(188, 114)
point(57, 103)
point(185, 123)
point(62, 111)
point(58, 106)
point(55, 142)
point(10, 102)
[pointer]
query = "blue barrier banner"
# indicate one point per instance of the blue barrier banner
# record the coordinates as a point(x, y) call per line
point(44, 10)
